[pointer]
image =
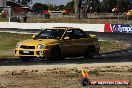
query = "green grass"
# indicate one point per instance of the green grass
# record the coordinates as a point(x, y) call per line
point(3, 19)
point(9, 41)
point(93, 72)
point(73, 20)
point(108, 46)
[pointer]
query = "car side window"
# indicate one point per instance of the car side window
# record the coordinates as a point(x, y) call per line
point(75, 34)
point(69, 34)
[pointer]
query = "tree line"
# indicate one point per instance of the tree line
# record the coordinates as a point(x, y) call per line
point(94, 5)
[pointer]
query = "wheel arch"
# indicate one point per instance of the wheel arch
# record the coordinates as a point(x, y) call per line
point(53, 50)
point(56, 47)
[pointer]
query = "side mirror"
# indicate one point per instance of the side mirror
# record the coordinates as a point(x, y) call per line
point(33, 36)
point(66, 38)
point(92, 35)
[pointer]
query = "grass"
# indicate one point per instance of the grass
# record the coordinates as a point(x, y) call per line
point(3, 19)
point(74, 20)
point(108, 46)
point(9, 41)
point(93, 72)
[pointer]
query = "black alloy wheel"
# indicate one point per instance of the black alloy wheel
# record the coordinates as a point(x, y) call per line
point(89, 53)
point(55, 54)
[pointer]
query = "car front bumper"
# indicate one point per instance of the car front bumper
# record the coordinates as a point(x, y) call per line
point(32, 52)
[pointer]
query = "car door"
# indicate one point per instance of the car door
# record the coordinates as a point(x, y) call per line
point(80, 41)
point(77, 43)
point(69, 45)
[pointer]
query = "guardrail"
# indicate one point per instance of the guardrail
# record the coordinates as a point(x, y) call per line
point(123, 28)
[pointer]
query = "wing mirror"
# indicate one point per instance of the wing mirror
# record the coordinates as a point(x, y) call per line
point(66, 38)
point(33, 36)
point(92, 35)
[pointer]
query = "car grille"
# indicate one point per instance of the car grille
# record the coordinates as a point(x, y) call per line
point(30, 52)
point(38, 52)
point(27, 47)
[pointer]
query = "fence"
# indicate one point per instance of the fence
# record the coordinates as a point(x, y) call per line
point(109, 17)
point(118, 16)
point(91, 17)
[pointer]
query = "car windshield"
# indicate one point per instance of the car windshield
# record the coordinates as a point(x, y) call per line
point(50, 34)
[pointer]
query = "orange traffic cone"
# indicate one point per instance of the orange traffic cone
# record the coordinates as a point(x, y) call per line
point(85, 78)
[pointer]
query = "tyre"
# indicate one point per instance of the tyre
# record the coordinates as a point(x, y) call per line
point(89, 53)
point(62, 58)
point(25, 59)
point(55, 54)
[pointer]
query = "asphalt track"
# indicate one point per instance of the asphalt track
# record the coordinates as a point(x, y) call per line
point(124, 55)
point(110, 59)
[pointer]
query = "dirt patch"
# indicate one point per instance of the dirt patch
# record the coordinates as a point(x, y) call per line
point(110, 46)
point(62, 77)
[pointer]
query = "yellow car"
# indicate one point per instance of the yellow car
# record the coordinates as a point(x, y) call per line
point(57, 43)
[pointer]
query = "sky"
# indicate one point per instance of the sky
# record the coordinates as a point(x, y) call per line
point(55, 2)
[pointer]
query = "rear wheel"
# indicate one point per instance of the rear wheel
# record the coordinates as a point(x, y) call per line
point(25, 58)
point(55, 54)
point(89, 53)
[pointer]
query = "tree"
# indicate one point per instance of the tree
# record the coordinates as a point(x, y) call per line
point(70, 6)
point(108, 5)
point(61, 7)
point(38, 7)
point(56, 8)
point(24, 2)
point(90, 6)
point(77, 6)
point(86, 6)
point(51, 7)
point(123, 5)
point(95, 6)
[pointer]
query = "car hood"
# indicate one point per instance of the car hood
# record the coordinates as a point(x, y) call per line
point(32, 42)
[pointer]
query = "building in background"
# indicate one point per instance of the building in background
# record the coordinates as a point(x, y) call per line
point(18, 9)
point(9, 8)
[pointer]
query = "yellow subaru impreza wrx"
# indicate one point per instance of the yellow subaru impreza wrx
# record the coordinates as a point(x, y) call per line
point(57, 43)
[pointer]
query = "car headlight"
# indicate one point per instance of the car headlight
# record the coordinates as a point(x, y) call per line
point(17, 45)
point(40, 46)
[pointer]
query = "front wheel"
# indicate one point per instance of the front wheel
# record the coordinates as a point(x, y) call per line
point(55, 54)
point(89, 53)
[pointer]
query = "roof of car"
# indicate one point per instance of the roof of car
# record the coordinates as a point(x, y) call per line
point(63, 28)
